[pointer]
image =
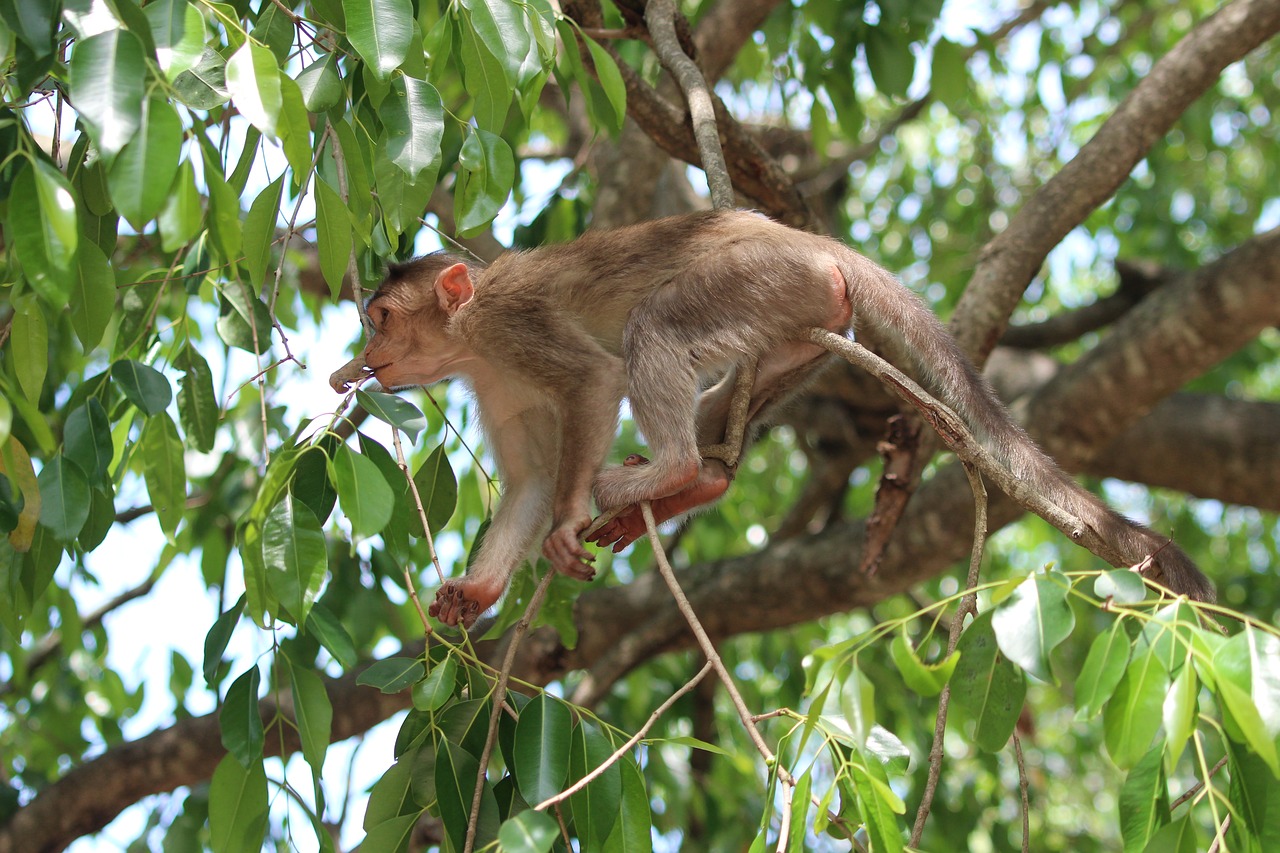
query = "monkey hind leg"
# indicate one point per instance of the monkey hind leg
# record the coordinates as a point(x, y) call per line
point(628, 525)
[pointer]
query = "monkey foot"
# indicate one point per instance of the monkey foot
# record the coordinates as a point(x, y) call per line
point(563, 548)
point(463, 600)
point(628, 525)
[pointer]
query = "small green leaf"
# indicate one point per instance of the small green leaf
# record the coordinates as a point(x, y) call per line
point(1102, 671)
point(486, 81)
point(197, 403)
point(164, 470)
point(1180, 712)
point(145, 387)
point(215, 642)
point(93, 294)
point(362, 490)
point(949, 80)
point(237, 807)
point(925, 679)
point(393, 410)
point(314, 715)
point(432, 692)
point(295, 556)
point(178, 29)
point(320, 84)
point(29, 346)
point(253, 79)
point(241, 721)
point(505, 30)
point(244, 321)
point(890, 60)
point(392, 675)
point(295, 130)
point(488, 168)
point(329, 631)
point(610, 81)
point(528, 832)
point(1120, 585)
point(203, 86)
point(1144, 800)
point(64, 498)
point(380, 31)
point(260, 232)
point(333, 235)
point(108, 78)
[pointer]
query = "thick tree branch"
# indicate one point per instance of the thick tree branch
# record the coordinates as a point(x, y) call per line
point(1011, 259)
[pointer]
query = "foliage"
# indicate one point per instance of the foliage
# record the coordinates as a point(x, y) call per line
point(186, 185)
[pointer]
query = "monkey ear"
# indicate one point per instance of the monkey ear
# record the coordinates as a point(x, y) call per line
point(454, 288)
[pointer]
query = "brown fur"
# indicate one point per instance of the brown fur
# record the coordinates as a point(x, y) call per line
point(551, 340)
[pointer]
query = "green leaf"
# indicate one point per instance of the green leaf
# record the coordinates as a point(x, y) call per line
point(145, 387)
point(456, 774)
point(93, 294)
point(1180, 712)
point(1120, 585)
point(380, 31)
point(595, 807)
point(333, 235)
point(204, 85)
point(392, 834)
point(504, 28)
point(1144, 801)
point(486, 81)
point(362, 490)
point(438, 489)
point(1132, 717)
point(1247, 694)
point(215, 642)
point(986, 686)
point(29, 346)
point(488, 169)
point(295, 130)
point(1102, 671)
point(102, 517)
point(389, 798)
point(314, 715)
point(178, 29)
point(64, 498)
point(197, 404)
point(1177, 837)
point(42, 216)
point(890, 60)
point(542, 746)
point(925, 679)
point(413, 116)
point(142, 173)
point(326, 628)
point(320, 84)
point(237, 807)
point(295, 556)
point(528, 832)
point(108, 80)
point(164, 470)
point(391, 675)
point(879, 806)
point(1255, 795)
point(260, 232)
point(393, 410)
point(1033, 621)
point(87, 439)
point(949, 80)
point(610, 81)
point(241, 721)
point(244, 321)
point(310, 483)
point(432, 692)
point(253, 79)
point(631, 834)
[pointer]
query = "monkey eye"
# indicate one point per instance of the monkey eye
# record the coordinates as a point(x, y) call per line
point(379, 315)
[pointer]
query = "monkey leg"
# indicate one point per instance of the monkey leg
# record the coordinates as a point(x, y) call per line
point(628, 525)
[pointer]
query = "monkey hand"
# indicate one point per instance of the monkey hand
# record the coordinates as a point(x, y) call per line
point(563, 547)
point(464, 599)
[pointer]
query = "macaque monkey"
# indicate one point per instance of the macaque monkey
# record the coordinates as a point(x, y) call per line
point(552, 339)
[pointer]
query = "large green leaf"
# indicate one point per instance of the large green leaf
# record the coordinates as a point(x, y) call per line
point(313, 713)
point(141, 175)
point(197, 403)
point(238, 807)
point(488, 169)
point(29, 347)
point(632, 833)
point(87, 439)
point(504, 28)
point(253, 79)
point(178, 29)
point(456, 774)
point(528, 832)
point(380, 31)
point(144, 386)
point(320, 84)
point(987, 686)
point(487, 82)
point(241, 721)
point(541, 748)
point(108, 81)
point(1133, 715)
point(294, 552)
point(391, 675)
point(1102, 671)
point(64, 498)
point(93, 294)
point(595, 807)
point(260, 231)
point(1144, 801)
point(365, 496)
point(413, 116)
point(42, 218)
point(333, 235)
point(1033, 621)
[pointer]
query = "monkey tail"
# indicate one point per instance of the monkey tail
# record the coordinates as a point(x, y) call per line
point(913, 338)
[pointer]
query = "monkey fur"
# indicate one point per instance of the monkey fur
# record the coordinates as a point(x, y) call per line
point(550, 341)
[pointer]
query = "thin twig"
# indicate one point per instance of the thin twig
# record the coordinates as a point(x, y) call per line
point(1022, 791)
point(626, 747)
point(353, 272)
point(1198, 786)
point(708, 648)
point(426, 530)
point(500, 693)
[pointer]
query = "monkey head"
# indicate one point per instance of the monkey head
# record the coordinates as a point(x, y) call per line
point(412, 342)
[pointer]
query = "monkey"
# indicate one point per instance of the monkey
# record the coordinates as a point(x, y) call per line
point(550, 341)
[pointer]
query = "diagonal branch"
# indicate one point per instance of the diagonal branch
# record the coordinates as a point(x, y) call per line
point(1011, 259)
